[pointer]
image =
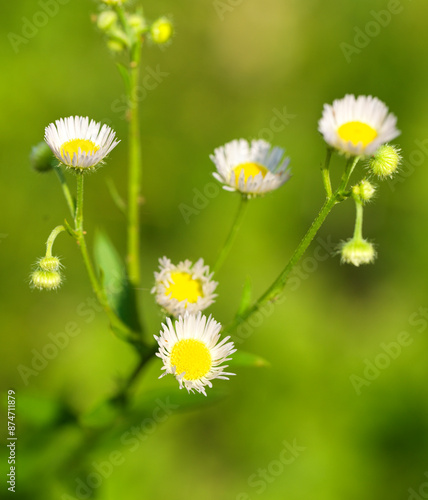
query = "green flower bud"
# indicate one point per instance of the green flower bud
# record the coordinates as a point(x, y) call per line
point(385, 161)
point(357, 251)
point(46, 280)
point(41, 158)
point(365, 190)
point(161, 30)
point(115, 46)
point(49, 264)
point(106, 20)
point(137, 23)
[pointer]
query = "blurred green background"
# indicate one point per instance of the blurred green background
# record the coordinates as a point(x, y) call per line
point(232, 68)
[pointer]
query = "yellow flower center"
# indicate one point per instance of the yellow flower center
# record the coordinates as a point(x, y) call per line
point(357, 132)
point(250, 170)
point(73, 146)
point(192, 357)
point(184, 287)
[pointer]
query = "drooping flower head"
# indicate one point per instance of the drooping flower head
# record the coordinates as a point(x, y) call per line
point(357, 251)
point(184, 287)
point(191, 351)
point(78, 143)
point(357, 126)
point(253, 169)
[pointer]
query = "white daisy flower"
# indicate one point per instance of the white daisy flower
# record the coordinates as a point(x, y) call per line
point(357, 126)
point(78, 143)
point(191, 351)
point(184, 287)
point(253, 169)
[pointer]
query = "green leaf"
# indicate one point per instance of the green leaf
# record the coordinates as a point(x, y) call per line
point(245, 298)
point(242, 358)
point(124, 73)
point(120, 294)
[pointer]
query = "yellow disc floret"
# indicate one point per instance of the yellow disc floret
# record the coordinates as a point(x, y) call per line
point(192, 357)
point(250, 170)
point(74, 145)
point(357, 132)
point(184, 287)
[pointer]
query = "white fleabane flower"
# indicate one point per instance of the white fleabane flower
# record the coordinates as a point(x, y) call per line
point(253, 169)
point(184, 287)
point(357, 126)
point(191, 351)
point(78, 143)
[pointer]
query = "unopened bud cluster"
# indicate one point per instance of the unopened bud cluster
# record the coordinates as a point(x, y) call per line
point(47, 276)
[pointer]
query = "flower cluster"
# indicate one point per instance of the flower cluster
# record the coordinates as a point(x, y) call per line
point(191, 348)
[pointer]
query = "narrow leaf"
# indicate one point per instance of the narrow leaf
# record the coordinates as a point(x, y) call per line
point(124, 73)
point(120, 294)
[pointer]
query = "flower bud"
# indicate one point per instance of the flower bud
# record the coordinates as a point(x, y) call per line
point(357, 251)
point(365, 190)
point(106, 20)
point(385, 161)
point(161, 30)
point(115, 46)
point(41, 157)
point(46, 280)
point(137, 23)
point(49, 264)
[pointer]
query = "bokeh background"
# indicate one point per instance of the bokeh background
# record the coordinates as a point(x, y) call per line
point(232, 68)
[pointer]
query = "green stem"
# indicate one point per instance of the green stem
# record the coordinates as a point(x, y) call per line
point(350, 165)
point(274, 291)
point(145, 357)
point(55, 232)
point(232, 234)
point(326, 173)
point(65, 189)
point(117, 325)
point(135, 168)
point(358, 230)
